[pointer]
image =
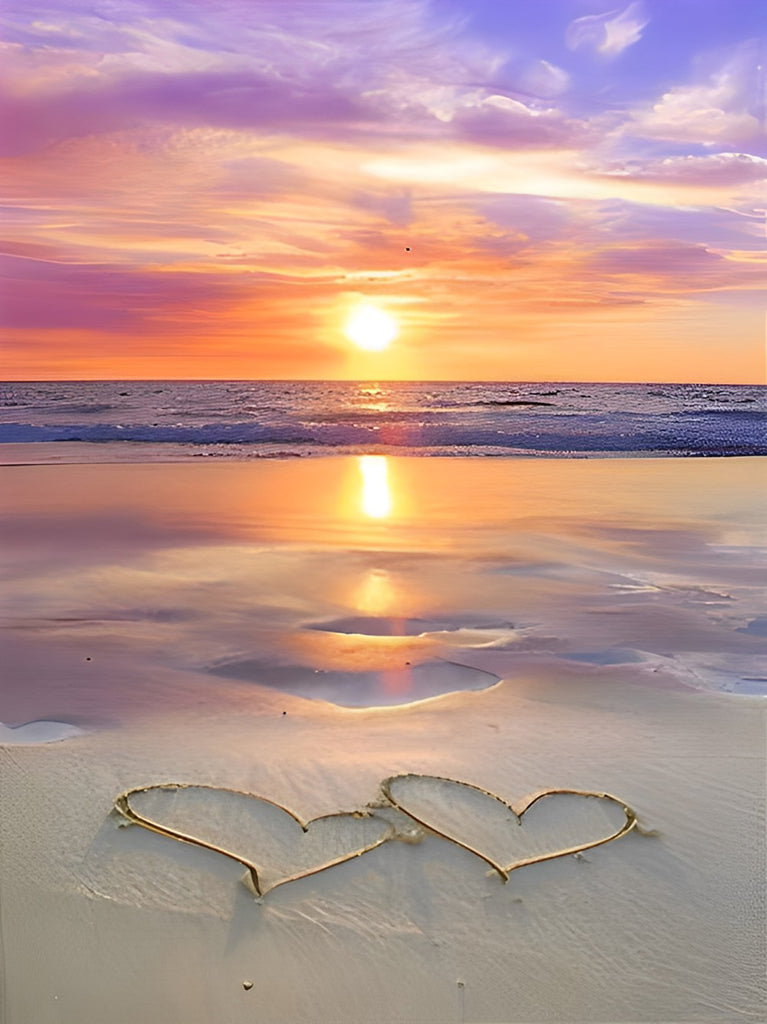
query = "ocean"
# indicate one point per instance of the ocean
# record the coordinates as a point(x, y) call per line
point(243, 419)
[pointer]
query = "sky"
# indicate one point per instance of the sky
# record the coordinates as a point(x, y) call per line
point(528, 189)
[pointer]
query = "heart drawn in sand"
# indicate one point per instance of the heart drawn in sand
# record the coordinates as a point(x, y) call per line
point(545, 825)
point(275, 845)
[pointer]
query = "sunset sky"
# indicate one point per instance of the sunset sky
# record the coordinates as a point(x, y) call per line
point(531, 189)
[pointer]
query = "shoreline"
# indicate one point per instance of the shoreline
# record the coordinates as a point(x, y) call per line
point(135, 452)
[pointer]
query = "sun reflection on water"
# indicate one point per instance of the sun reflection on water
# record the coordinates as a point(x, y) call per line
point(376, 494)
point(375, 595)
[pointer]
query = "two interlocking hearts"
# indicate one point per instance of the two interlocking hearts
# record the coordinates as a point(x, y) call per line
point(537, 828)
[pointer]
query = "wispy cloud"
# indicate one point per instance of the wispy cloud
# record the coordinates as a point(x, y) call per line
point(608, 34)
point(678, 267)
point(714, 169)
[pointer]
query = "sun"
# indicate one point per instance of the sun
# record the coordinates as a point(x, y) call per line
point(371, 328)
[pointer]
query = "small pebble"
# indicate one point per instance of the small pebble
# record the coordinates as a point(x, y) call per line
point(247, 985)
point(87, 659)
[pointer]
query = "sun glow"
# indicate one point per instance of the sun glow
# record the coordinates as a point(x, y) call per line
point(370, 328)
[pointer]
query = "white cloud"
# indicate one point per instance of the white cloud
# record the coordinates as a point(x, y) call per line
point(609, 33)
point(713, 112)
point(715, 169)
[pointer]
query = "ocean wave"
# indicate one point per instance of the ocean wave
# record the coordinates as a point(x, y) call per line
point(710, 435)
point(754, 414)
point(249, 419)
point(511, 401)
point(86, 408)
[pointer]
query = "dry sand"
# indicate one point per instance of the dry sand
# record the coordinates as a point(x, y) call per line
point(166, 611)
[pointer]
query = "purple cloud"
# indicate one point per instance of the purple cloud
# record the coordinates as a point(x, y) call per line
point(677, 266)
point(502, 121)
point(240, 100)
point(42, 295)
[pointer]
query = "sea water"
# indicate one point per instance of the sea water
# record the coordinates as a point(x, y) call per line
point(244, 419)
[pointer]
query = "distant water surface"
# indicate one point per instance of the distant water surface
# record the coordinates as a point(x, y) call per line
point(280, 418)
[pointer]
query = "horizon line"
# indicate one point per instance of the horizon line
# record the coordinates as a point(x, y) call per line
point(365, 380)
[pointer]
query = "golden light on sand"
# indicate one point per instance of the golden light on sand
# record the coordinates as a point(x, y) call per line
point(370, 328)
point(375, 595)
point(376, 496)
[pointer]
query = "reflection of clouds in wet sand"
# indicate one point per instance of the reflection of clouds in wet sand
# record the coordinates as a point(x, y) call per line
point(401, 683)
point(381, 625)
point(379, 548)
point(37, 732)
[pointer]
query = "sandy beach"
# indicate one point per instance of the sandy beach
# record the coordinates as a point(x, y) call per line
point(300, 631)
point(382, 512)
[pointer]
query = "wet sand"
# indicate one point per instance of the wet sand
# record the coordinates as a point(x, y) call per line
point(514, 624)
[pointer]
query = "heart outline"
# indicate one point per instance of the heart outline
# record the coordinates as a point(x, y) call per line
point(252, 881)
point(518, 809)
point(251, 878)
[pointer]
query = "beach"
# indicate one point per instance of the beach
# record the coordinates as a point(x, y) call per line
point(382, 513)
point(300, 631)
